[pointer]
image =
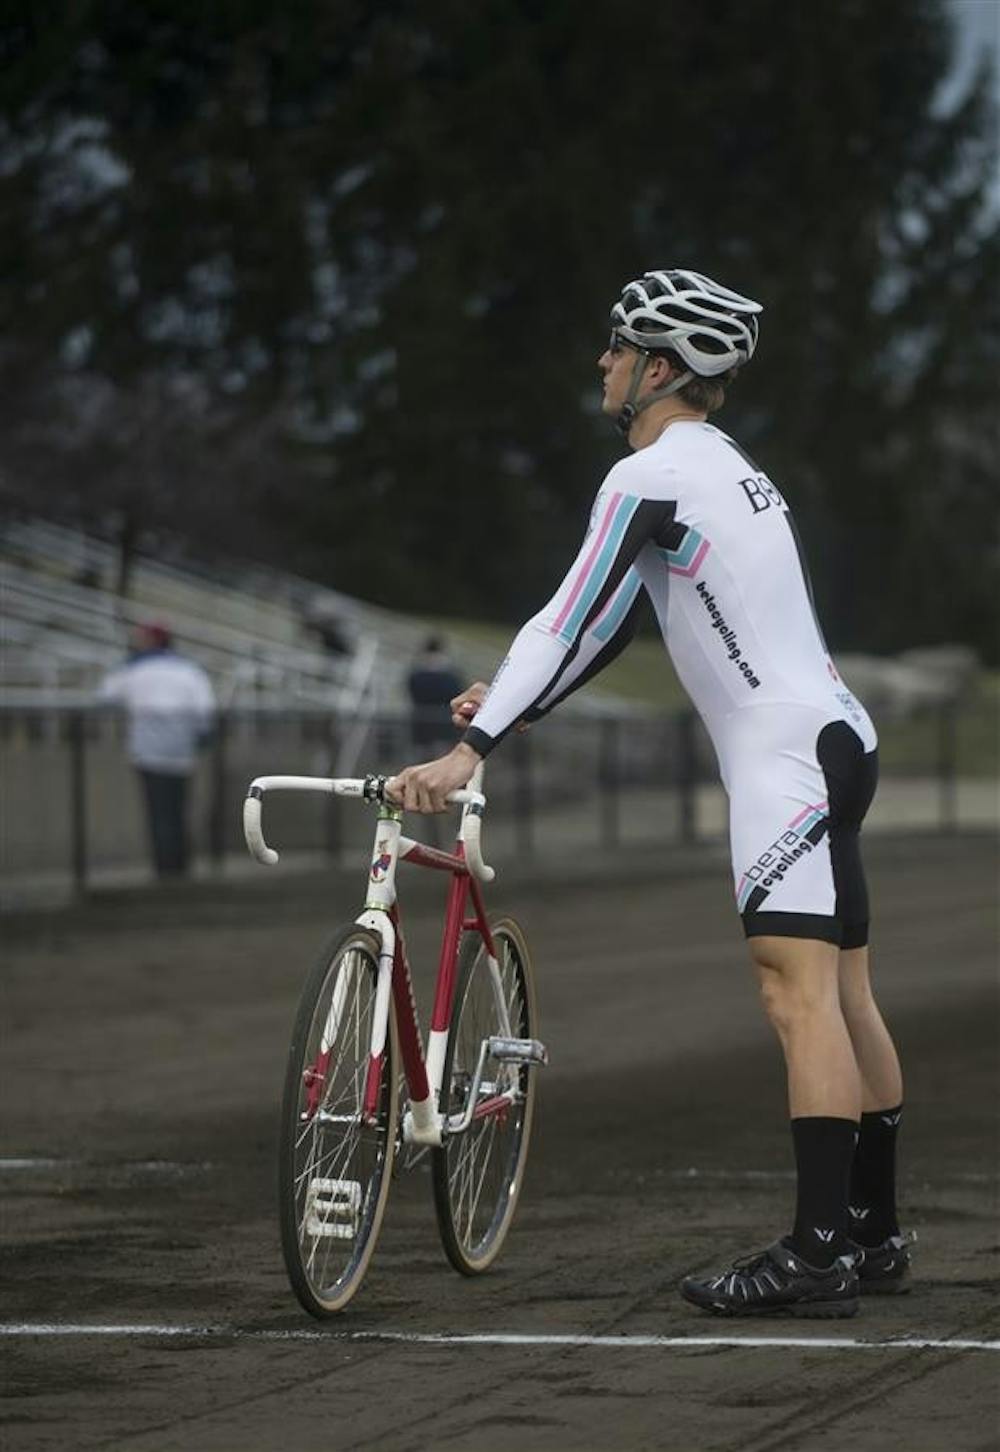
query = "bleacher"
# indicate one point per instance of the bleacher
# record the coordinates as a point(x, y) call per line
point(260, 634)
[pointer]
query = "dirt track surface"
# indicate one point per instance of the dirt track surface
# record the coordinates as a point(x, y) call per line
point(143, 1050)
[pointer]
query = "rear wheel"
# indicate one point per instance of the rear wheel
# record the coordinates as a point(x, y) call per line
point(478, 1174)
point(334, 1163)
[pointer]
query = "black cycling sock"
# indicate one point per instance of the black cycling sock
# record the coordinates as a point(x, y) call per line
point(873, 1178)
point(824, 1150)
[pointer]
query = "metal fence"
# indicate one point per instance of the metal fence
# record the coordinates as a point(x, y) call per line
point(72, 812)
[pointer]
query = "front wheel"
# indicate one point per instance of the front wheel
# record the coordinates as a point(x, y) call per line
point(478, 1173)
point(335, 1160)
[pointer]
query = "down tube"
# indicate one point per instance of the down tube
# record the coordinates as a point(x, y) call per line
point(407, 1023)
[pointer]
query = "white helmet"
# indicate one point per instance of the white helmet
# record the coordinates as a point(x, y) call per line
point(710, 327)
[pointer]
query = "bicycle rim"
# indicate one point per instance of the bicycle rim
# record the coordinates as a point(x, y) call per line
point(478, 1174)
point(334, 1165)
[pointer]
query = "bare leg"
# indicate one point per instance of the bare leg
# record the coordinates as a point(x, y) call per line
point(878, 1063)
point(800, 987)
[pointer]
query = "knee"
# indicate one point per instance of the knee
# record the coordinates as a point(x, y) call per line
point(856, 1001)
point(794, 993)
point(778, 999)
point(860, 1009)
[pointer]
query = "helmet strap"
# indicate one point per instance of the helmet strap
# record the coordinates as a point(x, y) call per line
point(633, 405)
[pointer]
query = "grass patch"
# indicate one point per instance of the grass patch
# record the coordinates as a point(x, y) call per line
point(920, 743)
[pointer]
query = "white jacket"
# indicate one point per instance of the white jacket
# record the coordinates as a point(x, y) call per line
point(170, 705)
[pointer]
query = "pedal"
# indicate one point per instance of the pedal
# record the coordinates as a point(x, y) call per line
point(518, 1051)
point(333, 1209)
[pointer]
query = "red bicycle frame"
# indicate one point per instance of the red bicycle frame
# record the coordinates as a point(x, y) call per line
point(423, 1124)
point(462, 886)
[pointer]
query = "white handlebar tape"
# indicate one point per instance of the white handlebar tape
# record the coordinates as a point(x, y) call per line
point(253, 833)
point(472, 833)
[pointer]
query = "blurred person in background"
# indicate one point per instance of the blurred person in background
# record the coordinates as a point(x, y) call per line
point(431, 684)
point(170, 707)
point(690, 518)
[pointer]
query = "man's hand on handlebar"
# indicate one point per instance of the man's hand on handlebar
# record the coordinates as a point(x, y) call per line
point(425, 788)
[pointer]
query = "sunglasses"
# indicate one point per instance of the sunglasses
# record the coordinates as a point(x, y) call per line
point(617, 344)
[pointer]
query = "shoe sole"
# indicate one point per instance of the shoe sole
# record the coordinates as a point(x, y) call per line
point(807, 1310)
point(885, 1288)
point(825, 1310)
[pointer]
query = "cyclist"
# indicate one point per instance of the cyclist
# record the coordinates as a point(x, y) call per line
point(689, 517)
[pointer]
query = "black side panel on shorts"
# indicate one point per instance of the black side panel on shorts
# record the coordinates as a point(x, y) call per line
point(851, 773)
point(851, 778)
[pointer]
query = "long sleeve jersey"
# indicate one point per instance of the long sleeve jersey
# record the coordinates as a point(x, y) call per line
point(693, 521)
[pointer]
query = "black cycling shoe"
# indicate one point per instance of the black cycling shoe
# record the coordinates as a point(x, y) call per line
point(777, 1282)
point(884, 1270)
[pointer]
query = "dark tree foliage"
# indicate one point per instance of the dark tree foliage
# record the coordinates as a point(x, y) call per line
point(327, 281)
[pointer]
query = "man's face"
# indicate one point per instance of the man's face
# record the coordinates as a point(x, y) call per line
point(616, 364)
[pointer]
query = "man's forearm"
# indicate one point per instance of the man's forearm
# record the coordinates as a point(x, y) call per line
point(528, 672)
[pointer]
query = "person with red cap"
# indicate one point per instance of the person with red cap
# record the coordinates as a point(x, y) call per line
point(170, 706)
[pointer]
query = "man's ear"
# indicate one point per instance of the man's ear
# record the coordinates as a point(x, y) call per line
point(660, 371)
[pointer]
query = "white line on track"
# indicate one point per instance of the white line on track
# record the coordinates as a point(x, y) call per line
point(741, 1176)
point(503, 1338)
point(11, 1164)
point(691, 1176)
point(161, 1167)
point(37, 1164)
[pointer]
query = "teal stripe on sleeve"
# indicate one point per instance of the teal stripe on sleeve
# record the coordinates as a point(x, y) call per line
point(627, 506)
point(627, 591)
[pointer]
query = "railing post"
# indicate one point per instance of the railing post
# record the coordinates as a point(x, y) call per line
point(948, 766)
point(217, 812)
point(78, 800)
point(610, 784)
point(332, 821)
point(686, 779)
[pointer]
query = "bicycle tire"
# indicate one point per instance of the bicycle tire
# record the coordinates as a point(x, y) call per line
point(334, 1172)
point(478, 1174)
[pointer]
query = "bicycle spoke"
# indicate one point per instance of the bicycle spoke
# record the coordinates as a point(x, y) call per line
point(478, 1170)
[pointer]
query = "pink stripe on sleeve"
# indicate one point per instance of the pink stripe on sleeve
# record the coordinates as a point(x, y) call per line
point(587, 565)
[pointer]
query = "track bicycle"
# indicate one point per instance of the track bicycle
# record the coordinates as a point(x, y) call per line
point(469, 1099)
